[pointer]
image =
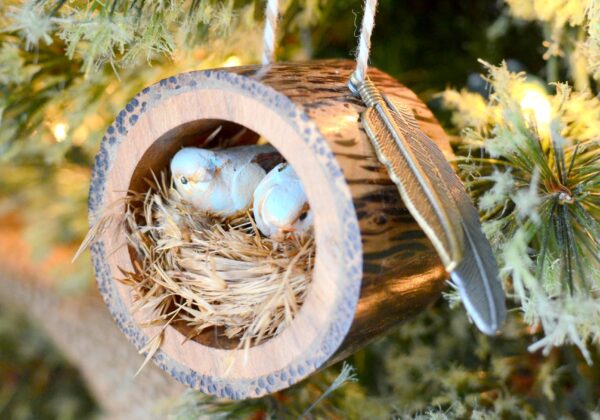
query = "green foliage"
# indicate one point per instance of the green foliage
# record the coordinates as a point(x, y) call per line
point(572, 35)
point(533, 164)
point(35, 380)
point(119, 31)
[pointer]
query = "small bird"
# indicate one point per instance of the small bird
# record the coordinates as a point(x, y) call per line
point(280, 204)
point(219, 182)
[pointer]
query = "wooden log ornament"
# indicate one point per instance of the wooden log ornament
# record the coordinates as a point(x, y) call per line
point(374, 267)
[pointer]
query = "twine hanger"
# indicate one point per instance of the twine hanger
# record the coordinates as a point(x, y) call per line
point(364, 41)
point(271, 21)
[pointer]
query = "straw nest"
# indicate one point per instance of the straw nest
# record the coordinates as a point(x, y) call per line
point(203, 272)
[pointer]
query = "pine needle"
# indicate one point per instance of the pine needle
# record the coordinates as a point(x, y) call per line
point(347, 374)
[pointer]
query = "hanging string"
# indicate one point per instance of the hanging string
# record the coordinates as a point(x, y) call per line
point(364, 42)
point(271, 20)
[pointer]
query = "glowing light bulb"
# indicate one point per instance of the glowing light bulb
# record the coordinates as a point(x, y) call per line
point(536, 103)
point(232, 61)
point(60, 131)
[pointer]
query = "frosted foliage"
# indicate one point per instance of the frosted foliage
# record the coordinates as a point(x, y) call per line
point(32, 22)
point(499, 193)
point(535, 181)
point(560, 15)
point(119, 34)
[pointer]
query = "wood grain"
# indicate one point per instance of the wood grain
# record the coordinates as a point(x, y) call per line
point(374, 267)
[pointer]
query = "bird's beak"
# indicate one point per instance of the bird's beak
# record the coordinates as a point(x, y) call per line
point(282, 233)
point(206, 177)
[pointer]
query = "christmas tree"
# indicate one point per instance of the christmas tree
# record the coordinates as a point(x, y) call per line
point(524, 115)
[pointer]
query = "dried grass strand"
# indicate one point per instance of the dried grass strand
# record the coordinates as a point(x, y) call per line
point(210, 273)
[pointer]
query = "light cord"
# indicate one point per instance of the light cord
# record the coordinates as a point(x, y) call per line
point(271, 20)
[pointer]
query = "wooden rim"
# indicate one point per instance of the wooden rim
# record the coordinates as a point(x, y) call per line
point(326, 315)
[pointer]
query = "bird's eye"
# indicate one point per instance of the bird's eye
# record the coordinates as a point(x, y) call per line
point(303, 216)
point(183, 180)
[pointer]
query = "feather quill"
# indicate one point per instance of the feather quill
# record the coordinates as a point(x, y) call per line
point(437, 199)
point(420, 183)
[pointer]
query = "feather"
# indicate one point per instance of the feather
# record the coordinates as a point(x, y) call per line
point(436, 198)
point(476, 276)
point(419, 182)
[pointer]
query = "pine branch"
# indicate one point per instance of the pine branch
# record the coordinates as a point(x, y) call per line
point(544, 195)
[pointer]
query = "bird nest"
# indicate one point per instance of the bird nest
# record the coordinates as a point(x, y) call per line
point(205, 273)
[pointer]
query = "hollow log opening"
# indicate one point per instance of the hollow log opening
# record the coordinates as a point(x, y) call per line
point(374, 267)
point(207, 134)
